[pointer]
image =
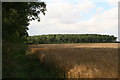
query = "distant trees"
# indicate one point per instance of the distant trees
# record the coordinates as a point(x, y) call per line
point(70, 38)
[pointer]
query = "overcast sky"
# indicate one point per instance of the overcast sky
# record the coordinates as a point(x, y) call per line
point(78, 17)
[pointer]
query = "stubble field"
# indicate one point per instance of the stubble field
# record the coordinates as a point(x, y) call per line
point(82, 60)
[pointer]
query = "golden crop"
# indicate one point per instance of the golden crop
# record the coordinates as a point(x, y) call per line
point(80, 60)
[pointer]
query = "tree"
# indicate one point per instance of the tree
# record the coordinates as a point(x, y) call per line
point(16, 17)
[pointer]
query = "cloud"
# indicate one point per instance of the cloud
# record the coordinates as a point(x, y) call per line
point(99, 10)
point(112, 2)
point(67, 12)
point(106, 22)
point(65, 17)
point(62, 15)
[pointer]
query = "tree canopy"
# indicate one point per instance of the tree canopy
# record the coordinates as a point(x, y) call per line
point(16, 17)
point(70, 38)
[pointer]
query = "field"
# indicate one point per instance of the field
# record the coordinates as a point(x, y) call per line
point(78, 60)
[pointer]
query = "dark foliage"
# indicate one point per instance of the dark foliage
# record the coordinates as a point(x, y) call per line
point(15, 19)
point(70, 38)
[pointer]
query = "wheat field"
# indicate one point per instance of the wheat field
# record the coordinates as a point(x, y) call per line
point(79, 60)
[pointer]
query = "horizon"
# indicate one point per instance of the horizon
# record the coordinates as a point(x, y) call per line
point(69, 33)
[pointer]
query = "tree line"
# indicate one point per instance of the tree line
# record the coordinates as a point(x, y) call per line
point(70, 38)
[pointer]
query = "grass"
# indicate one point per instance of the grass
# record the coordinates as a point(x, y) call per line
point(77, 60)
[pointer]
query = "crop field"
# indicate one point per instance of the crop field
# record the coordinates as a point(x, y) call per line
point(78, 60)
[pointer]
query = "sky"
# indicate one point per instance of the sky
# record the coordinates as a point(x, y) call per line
point(77, 17)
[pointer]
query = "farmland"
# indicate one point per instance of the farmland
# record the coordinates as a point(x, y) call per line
point(65, 46)
point(78, 60)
